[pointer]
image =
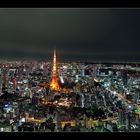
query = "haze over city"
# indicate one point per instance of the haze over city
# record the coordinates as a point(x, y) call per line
point(92, 34)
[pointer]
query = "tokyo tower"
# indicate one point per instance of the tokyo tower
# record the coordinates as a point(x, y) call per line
point(54, 82)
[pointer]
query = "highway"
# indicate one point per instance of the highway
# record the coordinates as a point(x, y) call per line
point(115, 93)
point(88, 123)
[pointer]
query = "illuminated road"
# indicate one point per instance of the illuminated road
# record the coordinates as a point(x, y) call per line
point(115, 93)
point(119, 95)
point(122, 98)
point(89, 123)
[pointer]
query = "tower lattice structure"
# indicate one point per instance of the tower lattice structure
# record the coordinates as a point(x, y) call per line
point(54, 82)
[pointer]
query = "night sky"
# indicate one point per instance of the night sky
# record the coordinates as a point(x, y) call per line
point(76, 34)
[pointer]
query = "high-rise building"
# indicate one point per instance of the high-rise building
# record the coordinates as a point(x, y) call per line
point(4, 80)
point(54, 82)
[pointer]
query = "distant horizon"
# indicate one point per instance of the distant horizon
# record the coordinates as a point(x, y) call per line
point(92, 62)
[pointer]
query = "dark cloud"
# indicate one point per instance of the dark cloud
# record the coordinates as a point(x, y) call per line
point(76, 34)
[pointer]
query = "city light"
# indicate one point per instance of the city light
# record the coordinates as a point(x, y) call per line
point(61, 97)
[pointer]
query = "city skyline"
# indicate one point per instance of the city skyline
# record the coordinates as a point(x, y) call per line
point(94, 34)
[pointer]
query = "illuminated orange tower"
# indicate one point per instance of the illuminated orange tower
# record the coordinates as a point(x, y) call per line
point(54, 82)
point(14, 83)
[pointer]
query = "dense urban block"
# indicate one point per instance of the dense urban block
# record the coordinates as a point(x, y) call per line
point(39, 96)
